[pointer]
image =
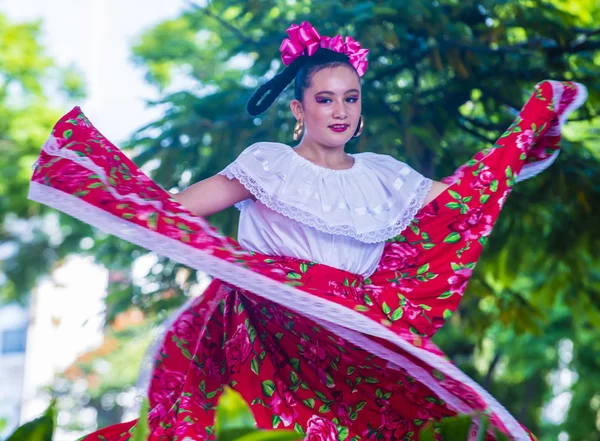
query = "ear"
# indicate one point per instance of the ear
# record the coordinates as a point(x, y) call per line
point(297, 110)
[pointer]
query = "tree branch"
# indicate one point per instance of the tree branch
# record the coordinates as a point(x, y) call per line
point(498, 98)
point(239, 34)
point(487, 382)
point(475, 133)
point(587, 32)
point(483, 125)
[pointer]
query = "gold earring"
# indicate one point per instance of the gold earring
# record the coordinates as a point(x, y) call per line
point(298, 130)
point(361, 126)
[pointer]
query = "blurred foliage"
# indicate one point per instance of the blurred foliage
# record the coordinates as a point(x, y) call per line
point(28, 76)
point(445, 79)
point(234, 423)
point(40, 429)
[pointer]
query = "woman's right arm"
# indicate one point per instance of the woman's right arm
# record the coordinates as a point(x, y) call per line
point(212, 195)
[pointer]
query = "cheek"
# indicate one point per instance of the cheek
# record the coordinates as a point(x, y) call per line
point(317, 114)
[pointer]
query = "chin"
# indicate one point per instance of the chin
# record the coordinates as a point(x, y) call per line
point(336, 141)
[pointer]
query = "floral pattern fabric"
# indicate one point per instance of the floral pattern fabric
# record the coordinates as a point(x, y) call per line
point(310, 347)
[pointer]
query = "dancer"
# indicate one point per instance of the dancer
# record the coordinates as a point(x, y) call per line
point(321, 313)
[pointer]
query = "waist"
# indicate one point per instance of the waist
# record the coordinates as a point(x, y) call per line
point(311, 274)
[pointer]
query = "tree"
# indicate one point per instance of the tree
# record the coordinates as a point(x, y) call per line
point(445, 78)
point(27, 76)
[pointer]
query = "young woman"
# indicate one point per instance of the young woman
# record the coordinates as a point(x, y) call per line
point(321, 314)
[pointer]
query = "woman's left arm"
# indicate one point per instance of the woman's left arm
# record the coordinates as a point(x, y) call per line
point(436, 189)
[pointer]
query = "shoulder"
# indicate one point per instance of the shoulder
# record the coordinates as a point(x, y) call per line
point(387, 165)
point(266, 147)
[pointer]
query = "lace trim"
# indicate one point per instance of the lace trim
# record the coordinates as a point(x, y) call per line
point(535, 168)
point(233, 170)
point(303, 303)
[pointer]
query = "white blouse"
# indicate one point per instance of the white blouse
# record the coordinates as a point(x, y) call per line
point(340, 218)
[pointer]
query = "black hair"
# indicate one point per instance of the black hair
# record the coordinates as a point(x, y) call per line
point(301, 70)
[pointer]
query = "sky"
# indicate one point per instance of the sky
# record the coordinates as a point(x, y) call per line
point(96, 36)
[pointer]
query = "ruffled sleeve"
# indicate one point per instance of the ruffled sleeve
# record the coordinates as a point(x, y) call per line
point(373, 201)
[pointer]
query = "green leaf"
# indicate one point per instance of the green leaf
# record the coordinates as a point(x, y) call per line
point(329, 380)
point(324, 408)
point(293, 275)
point(152, 221)
point(453, 205)
point(268, 388)
point(342, 433)
point(310, 402)
point(397, 315)
point(275, 420)
point(39, 429)
point(141, 430)
point(303, 267)
point(233, 418)
point(457, 427)
point(270, 435)
point(386, 309)
point(294, 377)
point(67, 134)
point(484, 198)
point(446, 295)
point(455, 195)
point(427, 433)
point(295, 363)
point(423, 269)
point(452, 237)
point(254, 366)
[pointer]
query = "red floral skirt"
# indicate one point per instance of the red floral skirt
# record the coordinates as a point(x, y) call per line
point(309, 347)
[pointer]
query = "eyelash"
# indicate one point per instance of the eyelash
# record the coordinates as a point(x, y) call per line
point(324, 100)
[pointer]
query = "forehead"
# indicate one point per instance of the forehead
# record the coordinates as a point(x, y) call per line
point(337, 79)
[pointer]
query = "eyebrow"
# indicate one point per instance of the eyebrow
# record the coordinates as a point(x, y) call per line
point(327, 92)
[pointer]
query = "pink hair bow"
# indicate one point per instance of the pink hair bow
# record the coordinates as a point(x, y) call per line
point(302, 37)
point(350, 47)
point(306, 37)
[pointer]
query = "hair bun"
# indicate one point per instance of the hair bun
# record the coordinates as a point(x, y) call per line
point(266, 94)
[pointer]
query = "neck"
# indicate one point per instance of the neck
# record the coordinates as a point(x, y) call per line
point(325, 156)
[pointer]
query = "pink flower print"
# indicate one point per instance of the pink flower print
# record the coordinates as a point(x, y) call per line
point(473, 225)
point(458, 282)
point(320, 429)
point(170, 380)
point(393, 424)
point(525, 139)
point(483, 179)
point(284, 402)
point(399, 255)
point(238, 347)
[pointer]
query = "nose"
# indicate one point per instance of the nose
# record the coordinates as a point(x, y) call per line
point(339, 111)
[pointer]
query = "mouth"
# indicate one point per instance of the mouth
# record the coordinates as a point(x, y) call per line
point(339, 127)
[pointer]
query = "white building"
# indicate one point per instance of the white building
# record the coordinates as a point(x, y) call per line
point(13, 331)
point(64, 320)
